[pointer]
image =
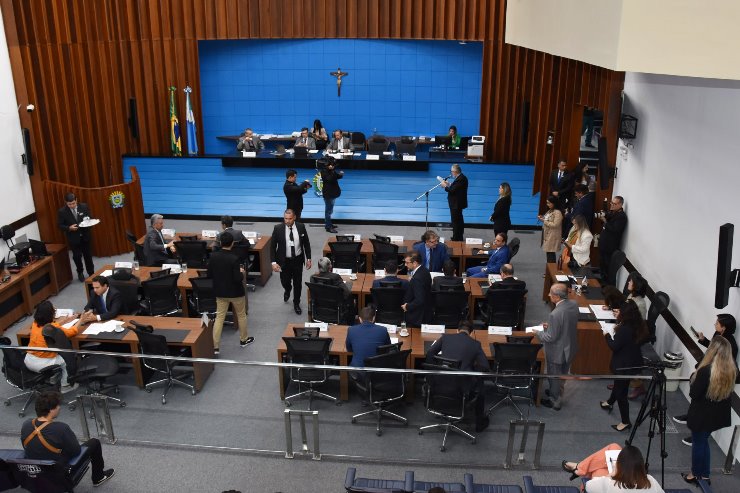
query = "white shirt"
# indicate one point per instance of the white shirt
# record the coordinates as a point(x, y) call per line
point(606, 484)
point(296, 239)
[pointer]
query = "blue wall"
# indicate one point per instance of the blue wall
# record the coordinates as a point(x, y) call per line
point(201, 186)
point(397, 87)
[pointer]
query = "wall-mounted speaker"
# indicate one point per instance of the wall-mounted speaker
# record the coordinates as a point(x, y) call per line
point(627, 127)
point(27, 155)
point(525, 122)
point(133, 118)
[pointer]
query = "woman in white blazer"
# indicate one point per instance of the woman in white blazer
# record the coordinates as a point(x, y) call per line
point(579, 241)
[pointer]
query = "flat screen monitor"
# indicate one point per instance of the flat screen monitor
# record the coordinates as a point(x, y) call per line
point(443, 141)
point(22, 256)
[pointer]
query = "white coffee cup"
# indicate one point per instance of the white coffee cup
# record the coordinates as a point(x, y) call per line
point(403, 332)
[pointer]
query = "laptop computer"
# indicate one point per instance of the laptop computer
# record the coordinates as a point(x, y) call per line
point(300, 151)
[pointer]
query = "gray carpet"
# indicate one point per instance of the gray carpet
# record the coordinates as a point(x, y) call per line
point(240, 408)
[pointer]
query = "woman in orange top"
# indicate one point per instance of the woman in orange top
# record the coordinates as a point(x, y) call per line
point(38, 360)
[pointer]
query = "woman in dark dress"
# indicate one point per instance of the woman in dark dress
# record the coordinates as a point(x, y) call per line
point(711, 388)
point(629, 334)
point(500, 216)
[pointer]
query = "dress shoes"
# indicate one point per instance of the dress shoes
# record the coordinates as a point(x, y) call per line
point(81, 276)
point(286, 297)
point(550, 404)
point(624, 428)
point(297, 309)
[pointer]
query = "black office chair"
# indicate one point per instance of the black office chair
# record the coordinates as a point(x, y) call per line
point(89, 370)
point(388, 303)
point(357, 141)
point(447, 399)
point(311, 351)
point(192, 253)
point(504, 307)
point(29, 382)
point(512, 339)
point(156, 345)
point(8, 232)
point(407, 145)
point(187, 238)
point(514, 244)
point(345, 238)
point(130, 237)
point(346, 255)
point(511, 362)
point(246, 259)
point(616, 261)
point(48, 476)
point(658, 305)
point(161, 296)
point(129, 291)
point(377, 145)
point(383, 389)
point(383, 251)
point(450, 307)
point(202, 300)
point(389, 348)
point(306, 332)
point(327, 303)
point(159, 273)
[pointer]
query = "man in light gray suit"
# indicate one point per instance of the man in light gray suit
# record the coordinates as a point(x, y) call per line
point(249, 142)
point(560, 340)
point(339, 142)
point(305, 140)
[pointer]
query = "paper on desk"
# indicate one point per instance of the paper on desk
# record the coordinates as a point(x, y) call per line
point(323, 326)
point(600, 313)
point(561, 278)
point(125, 265)
point(473, 241)
point(499, 330)
point(71, 324)
point(611, 460)
point(63, 312)
point(607, 328)
point(534, 328)
point(209, 233)
point(174, 268)
point(394, 340)
point(379, 273)
point(99, 327)
point(342, 272)
point(432, 329)
point(584, 309)
point(106, 273)
point(390, 327)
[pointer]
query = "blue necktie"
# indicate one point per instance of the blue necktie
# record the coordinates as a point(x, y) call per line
point(429, 254)
point(102, 305)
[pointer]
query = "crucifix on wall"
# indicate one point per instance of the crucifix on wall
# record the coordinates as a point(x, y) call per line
point(339, 74)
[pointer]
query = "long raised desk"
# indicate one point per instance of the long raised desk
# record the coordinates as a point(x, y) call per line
point(41, 278)
point(593, 355)
point(180, 333)
point(268, 159)
point(261, 250)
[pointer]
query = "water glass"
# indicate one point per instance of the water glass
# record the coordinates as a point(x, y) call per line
point(184, 267)
point(136, 265)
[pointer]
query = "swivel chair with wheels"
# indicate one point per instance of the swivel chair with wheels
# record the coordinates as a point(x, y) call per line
point(312, 351)
point(156, 345)
point(511, 362)
point(388, 303)
point(161, 296)
point(30, 383)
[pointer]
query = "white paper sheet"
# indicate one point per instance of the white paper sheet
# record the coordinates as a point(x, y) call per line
point(379, 273)
point(71, 323)
point(534, 329)
point(600, 313)
point(584, 309)
point(174, 268)
point(561, 278)
point(436, 274)
point(394, 340)
point(607, 328)
point(107, 273)
point(611, 460)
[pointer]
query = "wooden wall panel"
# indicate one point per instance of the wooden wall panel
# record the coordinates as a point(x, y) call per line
point(80, 61)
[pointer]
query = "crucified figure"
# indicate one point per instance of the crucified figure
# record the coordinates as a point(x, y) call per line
point(339, 74)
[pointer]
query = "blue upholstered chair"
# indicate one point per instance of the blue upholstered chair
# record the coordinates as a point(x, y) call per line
point(48, 476)
point(530, 487)
point(353, 484)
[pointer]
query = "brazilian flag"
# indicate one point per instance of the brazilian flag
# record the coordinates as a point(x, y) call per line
point(175, 142)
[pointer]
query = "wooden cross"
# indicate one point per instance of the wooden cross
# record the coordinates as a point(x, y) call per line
point(339, 74)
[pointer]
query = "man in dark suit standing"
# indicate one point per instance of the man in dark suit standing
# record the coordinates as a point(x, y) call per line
point(69, 218)
point(294, 192)
point(228, 287)
point(615, 222)
point(418, 300)
point(105, 304)
point(290, 251)
point(508, 281)
point(330, 192)
point(457, 199)
point(560, 340)
point(463, 348)
point(156, 250)
point(561, 183)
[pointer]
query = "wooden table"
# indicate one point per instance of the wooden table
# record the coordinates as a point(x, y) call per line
point(593, 355)
point(338, 349)
point(199, 340)
point(40, 279)
point(261, 251)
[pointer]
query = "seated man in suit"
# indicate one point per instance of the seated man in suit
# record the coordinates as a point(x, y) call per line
point(499, 255)
point(463, 348)
point(227, 225)
point(44, 438)
point(249, 142)
point(418, 301)
point(449, 281)
point(156, 250)
point(432, 253)
point(105, 304)
point(391, 277)
point(363, 339)
point(339, 143)
point(305, 140)
point(508, 281)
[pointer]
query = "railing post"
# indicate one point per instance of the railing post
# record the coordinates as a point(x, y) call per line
point(289, 454)
point(101, 415)
point(730, 459)
point(513, 425)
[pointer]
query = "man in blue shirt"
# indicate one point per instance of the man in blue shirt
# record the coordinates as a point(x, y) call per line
point(433, 255)
point(499, 255)
point(363, 339)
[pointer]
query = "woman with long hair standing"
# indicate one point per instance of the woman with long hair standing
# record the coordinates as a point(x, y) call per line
point(552, 221)
point(579, 241)
point(711, 387)
point(629, 334)
point(500, 216)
